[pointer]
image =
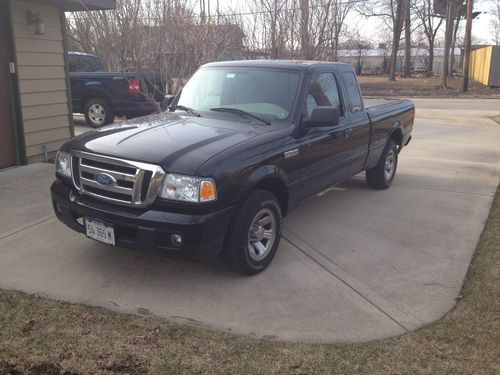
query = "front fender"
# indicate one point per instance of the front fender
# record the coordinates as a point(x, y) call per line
point(264, 172)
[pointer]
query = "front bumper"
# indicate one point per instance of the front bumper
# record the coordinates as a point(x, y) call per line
point(143, 229)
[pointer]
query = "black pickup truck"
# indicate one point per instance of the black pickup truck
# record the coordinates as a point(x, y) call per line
point(238, 148)
point(101, 95)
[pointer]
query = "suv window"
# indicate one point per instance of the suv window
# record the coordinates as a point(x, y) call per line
point(323, 91)
point(353, 91)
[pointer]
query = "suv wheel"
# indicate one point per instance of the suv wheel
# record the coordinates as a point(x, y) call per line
point(99, 112)
point(381, 176)
point(254, 237)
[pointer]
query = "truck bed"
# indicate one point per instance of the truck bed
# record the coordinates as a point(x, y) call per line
point(375, 108)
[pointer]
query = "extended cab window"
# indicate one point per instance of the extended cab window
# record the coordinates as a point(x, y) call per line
point(323, 91)
point(353, 91)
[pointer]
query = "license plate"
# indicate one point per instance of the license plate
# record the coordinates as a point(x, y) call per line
point(100, 232)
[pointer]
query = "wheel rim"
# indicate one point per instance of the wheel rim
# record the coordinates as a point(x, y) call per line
point(390, 165)
point(97, 114)
point(262, 234)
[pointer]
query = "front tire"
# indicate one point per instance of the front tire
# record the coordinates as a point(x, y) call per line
point(381, 176)
point(99, 112)
point(254, 236)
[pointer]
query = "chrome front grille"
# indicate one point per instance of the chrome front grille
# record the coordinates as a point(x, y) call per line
point(130, 183)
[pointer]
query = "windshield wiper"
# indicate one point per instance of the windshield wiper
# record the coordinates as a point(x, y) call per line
point(240, 112)
point(186, 109)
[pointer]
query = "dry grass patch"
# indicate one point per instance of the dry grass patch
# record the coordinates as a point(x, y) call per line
point(423, 87)
point(39, 336)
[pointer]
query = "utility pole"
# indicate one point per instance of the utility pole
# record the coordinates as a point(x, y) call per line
point(467, 46)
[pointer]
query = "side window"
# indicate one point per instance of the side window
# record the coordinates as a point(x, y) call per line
point(353, 91)
point(74, 65)
point(323, 91)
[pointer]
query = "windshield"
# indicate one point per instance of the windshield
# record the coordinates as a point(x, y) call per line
point(268, 93)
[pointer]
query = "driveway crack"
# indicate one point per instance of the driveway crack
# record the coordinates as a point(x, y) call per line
point(30, 225)
point(345, 283)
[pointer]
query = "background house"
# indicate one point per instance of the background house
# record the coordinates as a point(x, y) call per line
point(35, 112)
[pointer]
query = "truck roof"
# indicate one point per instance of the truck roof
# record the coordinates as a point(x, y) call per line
point(81, 53)
point(290, 64)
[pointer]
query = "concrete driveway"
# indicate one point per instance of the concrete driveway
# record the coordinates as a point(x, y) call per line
point(354, 264)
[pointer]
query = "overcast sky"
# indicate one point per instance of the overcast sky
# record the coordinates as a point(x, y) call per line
point(370, 28)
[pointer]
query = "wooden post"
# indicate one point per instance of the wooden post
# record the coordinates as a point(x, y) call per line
point(467, 46)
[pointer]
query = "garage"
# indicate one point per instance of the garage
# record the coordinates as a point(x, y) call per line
point(35, 112)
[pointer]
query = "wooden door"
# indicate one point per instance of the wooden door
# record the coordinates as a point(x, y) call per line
point(7, 137)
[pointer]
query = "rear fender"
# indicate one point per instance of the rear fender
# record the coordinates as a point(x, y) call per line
point(92, 90)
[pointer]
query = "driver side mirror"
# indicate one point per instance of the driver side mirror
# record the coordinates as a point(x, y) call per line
point(167, 99)
point(323, 116)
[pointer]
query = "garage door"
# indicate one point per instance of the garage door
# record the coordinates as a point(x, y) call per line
point(7, 139)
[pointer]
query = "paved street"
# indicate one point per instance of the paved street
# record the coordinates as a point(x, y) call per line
point(354, 264)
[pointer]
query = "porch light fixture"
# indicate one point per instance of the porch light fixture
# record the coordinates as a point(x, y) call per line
point(35, 19)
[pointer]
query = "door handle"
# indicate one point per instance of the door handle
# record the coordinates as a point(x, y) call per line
point(348, 132)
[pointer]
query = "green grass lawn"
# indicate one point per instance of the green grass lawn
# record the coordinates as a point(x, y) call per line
point(39, 336)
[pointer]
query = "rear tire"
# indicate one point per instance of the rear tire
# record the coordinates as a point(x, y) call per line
point(254, 235)
point(98, 112)
point(381, 176)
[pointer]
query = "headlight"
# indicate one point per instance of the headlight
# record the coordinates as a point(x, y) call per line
point(63, 164)
point(188, 189)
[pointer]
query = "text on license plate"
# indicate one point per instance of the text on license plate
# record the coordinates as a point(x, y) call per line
point(100, 232)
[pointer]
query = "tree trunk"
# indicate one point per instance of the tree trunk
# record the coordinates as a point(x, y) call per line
point(453, 44)
point(407, 66)
point(398, 24)
point(336, 47)
point(467, 46)
point(447, 43)
point(304, 29)
point(430, 67)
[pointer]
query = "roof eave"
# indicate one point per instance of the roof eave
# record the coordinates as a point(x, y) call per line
point(82, 5)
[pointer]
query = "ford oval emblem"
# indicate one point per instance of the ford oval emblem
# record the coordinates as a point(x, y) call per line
point(104, 179)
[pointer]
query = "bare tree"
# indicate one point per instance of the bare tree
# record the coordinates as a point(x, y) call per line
point(162, 37)
point(340, 10)
point(304, 29)
point(431, 23)
point(398, 25)
point(407, 14)
point(452, 7)
point(274, 25)
point(391, 13)
point(458, 17)
point(309, 29)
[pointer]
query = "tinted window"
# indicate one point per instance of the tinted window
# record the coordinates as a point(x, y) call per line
point(353, 91)
point(323, 92)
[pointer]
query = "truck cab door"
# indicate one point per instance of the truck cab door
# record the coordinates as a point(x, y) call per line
point(325, 151)
point(358, 123)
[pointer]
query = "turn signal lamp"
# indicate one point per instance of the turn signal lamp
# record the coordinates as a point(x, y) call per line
point(207, 191)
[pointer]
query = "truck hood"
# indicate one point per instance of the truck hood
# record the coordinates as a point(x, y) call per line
point(178, 143)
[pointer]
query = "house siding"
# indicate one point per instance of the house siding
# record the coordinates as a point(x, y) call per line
point(42, 79)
